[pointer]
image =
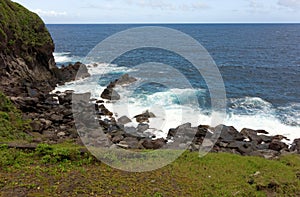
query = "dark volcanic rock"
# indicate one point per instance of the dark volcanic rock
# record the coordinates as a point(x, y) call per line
point(253, 135)
point(26, 104)
point(104, 111)
point(186, 131)
point(130, 142)
point(36, 126)
point(125, 80)
point(110, 94)
point(142, 127)
point(228, 133)
point(65, 98)
point(245, 148)
point(153, 144)
point(202, 131)
point(124, 120)
point(277, 145)
point(144, 117)
point(296, 146)
point(73, 72)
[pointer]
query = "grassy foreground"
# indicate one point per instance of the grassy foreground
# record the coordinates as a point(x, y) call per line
point(64, 170)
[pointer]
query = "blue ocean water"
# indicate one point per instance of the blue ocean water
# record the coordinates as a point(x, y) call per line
point(259, 63)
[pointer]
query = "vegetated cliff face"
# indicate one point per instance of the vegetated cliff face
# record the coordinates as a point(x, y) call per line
point(26, 52)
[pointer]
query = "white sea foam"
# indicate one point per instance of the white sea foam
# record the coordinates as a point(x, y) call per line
point(62, 57)
point(65, 57)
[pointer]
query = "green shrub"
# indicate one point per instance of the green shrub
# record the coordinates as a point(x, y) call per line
point(52, 154)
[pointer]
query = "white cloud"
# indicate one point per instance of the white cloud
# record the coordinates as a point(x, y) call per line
point(168, 5)
point(49, 13)
point(191, 5)
point(293, 4)
point(257, 6)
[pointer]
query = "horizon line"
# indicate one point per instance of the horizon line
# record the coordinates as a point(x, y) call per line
point(167, 23)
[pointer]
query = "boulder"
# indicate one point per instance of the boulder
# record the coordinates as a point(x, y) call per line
point(124, 120)
point(277, 145)
point(104, 111)
point(65, 99)
point(142, 127)
point(153, 144)
point(61, 134)
point(228, 133)
point(26, 104)
point(117, 139)
point(144, 117)
point(72, 72)
point(202, 131)
point(131, 142)
point(110, 94)
point(245, 148)
point(125, 80)
point(36, 126)
point(253, 135)
point(296, 146)
point(179, 131)
point(171, 133)
point(56, 118)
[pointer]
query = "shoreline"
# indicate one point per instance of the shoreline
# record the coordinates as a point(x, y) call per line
point(255, 122)
point(244, 142)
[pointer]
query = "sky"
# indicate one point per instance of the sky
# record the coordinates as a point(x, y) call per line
point(165, 11)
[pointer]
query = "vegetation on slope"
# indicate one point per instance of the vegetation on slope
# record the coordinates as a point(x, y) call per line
point(12, 126)
point(20, 26)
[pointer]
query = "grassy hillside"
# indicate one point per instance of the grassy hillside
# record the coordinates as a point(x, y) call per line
point(20, 26)
point(12, 126)
point(62, 170)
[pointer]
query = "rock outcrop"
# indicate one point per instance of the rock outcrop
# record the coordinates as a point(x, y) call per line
point(26, 52)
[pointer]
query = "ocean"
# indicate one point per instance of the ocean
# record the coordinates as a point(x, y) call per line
point(259, 64)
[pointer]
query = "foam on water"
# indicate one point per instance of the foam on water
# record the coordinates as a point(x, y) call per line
point(65, 57)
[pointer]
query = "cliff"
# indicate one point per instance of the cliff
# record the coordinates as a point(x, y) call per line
point(26, 47)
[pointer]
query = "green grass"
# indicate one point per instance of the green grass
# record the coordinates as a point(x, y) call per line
point(63, 170)
point(12, 126)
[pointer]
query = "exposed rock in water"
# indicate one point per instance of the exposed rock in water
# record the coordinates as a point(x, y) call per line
point(144, 117)
point(110, 94)
point(71, 72)
point(125, 80)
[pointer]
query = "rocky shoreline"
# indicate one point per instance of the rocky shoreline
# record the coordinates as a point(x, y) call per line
point(29, 75)
point(53, 122)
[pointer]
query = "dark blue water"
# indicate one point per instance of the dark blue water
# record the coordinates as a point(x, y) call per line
point(259, 63)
